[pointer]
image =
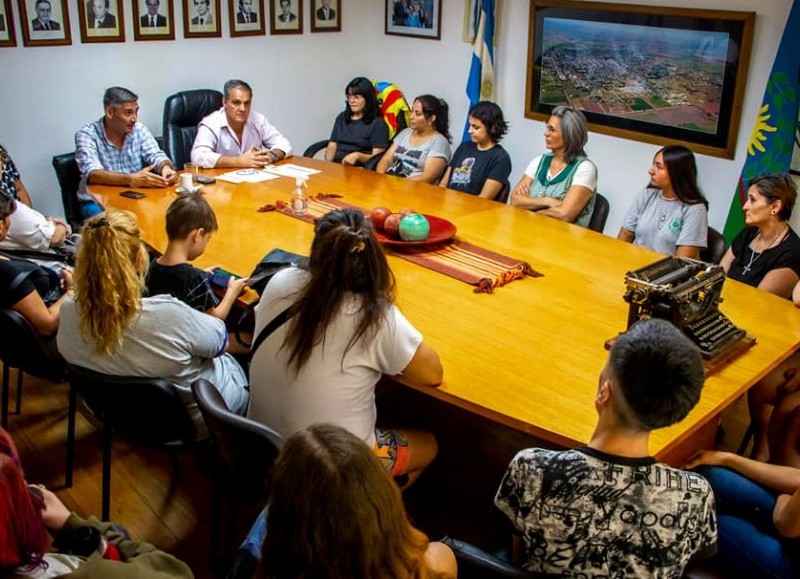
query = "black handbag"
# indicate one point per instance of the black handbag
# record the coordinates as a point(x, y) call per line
point(272, 263)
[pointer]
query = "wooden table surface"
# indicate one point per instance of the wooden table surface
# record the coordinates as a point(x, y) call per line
point(528, 355)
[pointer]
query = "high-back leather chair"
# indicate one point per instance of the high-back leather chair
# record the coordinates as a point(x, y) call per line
point(150, 411)
point(247, 450)
point(22, 347)
point(69, 179)
point(600, 214)
point(182, 113)
point(715, 247)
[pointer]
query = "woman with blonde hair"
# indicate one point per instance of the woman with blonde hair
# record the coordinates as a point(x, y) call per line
point(346, 521)
point(110, 328)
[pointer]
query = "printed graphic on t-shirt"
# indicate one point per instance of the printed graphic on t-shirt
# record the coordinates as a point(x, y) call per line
point(462, 175)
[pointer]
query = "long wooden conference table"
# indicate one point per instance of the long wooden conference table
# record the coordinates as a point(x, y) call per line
point(528, 355)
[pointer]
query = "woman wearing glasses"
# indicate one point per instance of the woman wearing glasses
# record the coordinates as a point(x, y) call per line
point(561, 183)
point(359, 132)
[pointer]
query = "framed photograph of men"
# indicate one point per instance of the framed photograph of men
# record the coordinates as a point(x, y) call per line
point(326, 15)
point(153, 20)
point(201, 19)
point(286, 16)
point(7, 35)
point(101, 20)
point(419, 18)
point(44, 22)
point(246, 17)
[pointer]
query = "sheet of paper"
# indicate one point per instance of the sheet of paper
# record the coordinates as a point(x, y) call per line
point(291, 170)
point(246, 176)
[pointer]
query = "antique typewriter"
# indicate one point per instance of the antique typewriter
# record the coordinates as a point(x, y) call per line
point(686, 292)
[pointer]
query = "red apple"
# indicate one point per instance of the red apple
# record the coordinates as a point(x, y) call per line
point(378, 216)
point(392, 225)
point(407, 211)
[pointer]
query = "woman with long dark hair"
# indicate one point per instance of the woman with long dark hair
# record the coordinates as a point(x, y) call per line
point(422, 151)
point(671, 215)
point(345, 521)
point(341, 333)
point(359, 132)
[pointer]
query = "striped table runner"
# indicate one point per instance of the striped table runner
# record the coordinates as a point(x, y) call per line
point(469, 263)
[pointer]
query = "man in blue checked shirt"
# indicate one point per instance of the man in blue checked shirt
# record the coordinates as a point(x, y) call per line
point(118, 150)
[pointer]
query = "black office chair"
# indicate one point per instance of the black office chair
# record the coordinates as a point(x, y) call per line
point(182, 113)
point(69, 179)
point(715, 247)
point(247, 450)
point(600, 214)
point(150, 411)
point(22, 347)
point(475, 563)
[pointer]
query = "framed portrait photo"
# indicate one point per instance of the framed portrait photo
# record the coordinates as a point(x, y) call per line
point(153, 20)
point(286, 16)
point(326, 15)
point(7, 35)
point(44, 22)
point(101, 20)
point(246, 17)
point(419, 18)
point(201, 19)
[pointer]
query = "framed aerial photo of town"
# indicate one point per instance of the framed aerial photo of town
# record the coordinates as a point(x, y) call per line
point(648, 73)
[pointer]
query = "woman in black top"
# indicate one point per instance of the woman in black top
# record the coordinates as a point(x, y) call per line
point(766, 254)
point(359, 132)
point(28, 288)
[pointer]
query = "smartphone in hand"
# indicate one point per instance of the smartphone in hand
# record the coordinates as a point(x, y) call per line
point(220, 277)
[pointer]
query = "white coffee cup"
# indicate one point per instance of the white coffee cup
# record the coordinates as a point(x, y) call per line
point(186, 181)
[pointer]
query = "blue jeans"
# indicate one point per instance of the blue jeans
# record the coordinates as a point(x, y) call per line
point(749, 544)
point(250, 550)
point(89, 208)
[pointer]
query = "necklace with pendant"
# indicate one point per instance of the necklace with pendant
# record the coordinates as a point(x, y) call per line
point(754, 256)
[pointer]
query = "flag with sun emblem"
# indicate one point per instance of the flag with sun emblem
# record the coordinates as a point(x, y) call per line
point(480, 84)
point(772, 141)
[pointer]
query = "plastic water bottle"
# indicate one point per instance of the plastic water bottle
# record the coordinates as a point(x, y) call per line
point(300, 196)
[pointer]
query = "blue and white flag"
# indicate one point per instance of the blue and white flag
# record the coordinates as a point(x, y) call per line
point(480, 84)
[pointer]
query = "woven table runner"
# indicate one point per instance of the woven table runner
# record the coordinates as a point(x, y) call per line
point(469, 263)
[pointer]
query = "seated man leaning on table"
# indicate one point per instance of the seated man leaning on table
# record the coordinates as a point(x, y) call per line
point(235, 136)
point(119, 150)
point(609, 509)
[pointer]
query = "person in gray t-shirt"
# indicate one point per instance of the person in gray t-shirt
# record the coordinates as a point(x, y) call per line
point(422, 151)
point(109, 328)
point(671, 215)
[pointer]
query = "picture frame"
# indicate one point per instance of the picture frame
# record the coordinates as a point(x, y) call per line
point(8, 36)
point(34, 32)
point(153, 20)
point(101, 21)
point(201, 19)
point(416, 18)
point(286, 16)
point(246, 17)
point(667, 75)
point(326, 15)
point(794, 167)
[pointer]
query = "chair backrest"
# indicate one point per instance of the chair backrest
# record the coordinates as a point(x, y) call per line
point(69, 179)
point(715, 247)
point(149, 410)
point(182, 113)
point(475, 563)
point(502, 196)
point(22, 347)
point(600, 214)
point(247, 448)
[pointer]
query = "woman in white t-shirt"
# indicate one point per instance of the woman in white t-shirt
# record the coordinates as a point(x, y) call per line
point(561, 183)
point(422, 151)
point(337, 332)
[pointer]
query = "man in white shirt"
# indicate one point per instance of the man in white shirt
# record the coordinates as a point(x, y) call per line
point(235, 136)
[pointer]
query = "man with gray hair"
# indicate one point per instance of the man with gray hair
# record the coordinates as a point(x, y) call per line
point(235, 136)
point(42, 21)
point(119, 150)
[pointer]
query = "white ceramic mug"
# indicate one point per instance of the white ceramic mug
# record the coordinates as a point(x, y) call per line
point(186, 181)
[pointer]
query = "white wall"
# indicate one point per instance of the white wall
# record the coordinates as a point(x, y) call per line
point(298, 82)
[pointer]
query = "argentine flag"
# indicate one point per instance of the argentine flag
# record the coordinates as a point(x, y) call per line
point(480, 84)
